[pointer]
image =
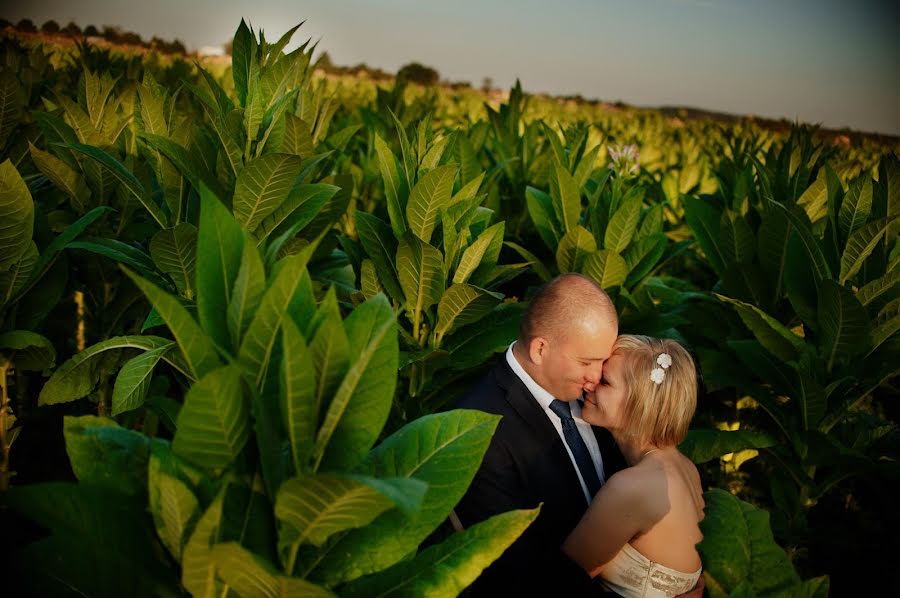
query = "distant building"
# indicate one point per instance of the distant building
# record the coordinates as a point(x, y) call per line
point(211, 51)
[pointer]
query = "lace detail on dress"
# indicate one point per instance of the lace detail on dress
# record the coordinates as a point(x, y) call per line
point(633, 575)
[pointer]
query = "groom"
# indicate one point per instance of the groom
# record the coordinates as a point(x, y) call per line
point(541, 452)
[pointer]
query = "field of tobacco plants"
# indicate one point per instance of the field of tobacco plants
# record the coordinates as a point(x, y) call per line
point(236, 308)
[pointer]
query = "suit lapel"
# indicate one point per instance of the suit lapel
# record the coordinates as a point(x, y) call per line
point(526, 406)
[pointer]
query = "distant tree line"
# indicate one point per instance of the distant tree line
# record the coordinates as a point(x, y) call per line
point(112, 34)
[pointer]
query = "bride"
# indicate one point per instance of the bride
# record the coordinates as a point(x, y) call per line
point(639, 534)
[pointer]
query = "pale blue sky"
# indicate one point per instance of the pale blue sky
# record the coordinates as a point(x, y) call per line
point(828, 61)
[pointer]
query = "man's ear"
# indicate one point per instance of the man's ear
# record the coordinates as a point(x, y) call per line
point(537, 349)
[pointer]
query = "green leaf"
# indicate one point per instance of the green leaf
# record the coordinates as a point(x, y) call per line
point(381, 246)
point(574, 248)
point(815, 199)
point(448, 568)
point(124, 254)
point(608, 269)
point(189, 168)
point(704, 218)
point(463, 304)
point(738, 548)
point(879, 286)
point(887, 324)
point(771, 334)
point(172, 503)
point(368, 279)
point(535, 262)
point(262, 186)
point(27, 350)
point(642, 256)
point(622, 225)
point(249, 575)
point(16, 216)
point(802, 230)
point(220, 242)
point(242, 54)
point(128, 181)
point(12, 102)
point(860, 245)
point(303, 204)
point(738, 241)
point(330, 351)
point(702, 445)
point(198, 572)
point(133, 380)
point(15, 279)
point(312, 508)
point(472, 257)
point(856, 207)
point(773, 238)
point(298, 395)
point(426, 199)
point(290, 285)
point(540, 208)
point(67, 236)
point(105, 455)
point(248, 290)
point(197, 348)
point(62, 176)
point(394, 186)
point(567, 202)
point(421, 272)
point(77, 377)
point(214, 424)
point(174, 251)
point(361, 404)
point(844, 322)
point(443, 450)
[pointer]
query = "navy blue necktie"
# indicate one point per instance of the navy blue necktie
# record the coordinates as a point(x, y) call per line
point(577, 446)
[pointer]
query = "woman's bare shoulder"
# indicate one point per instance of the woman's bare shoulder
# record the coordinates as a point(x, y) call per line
point(642, 486)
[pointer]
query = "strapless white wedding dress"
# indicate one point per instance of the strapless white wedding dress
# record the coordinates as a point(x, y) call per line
point(633, 575)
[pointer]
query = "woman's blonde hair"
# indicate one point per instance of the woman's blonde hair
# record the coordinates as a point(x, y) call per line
point(658, 413)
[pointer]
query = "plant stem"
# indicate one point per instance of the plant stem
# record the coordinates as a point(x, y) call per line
point(4, 407)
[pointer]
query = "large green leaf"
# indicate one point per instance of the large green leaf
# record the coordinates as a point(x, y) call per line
point(472, 257)
point(475, 344)
point(702, 445)
point(123, 253)
point(815, 199)
point(622, 225)
point(567, 200)
point(76, 377)
point(16, 216)
point(248, 290)
point(250, 575)
point(198, 571)
point(394, 186)
point(880, 286)
point(802, 230)
point(12, 101)
point(540, 208)
point(133, 380)
point(330, 351)
point(63, 176)
point(845, 324)
point(128, 181)
point(772, 247)
point(574, 248)
point(608, 269)
point(860, 245)
point(290, 284)
point(381, 246)
point(262, 186)
point(886, 324)
point(771, 334)
point(105, 455)
point(220, 242)
point(431, 193)
point(738, 241)
point(448, 568)
point(174, 251)
point(704, 219)
point(197, 348)
point(312, 508)
point(856, 207)
point(738, 548)
point(189, 167)
point(302, 205)
point(27, 350)
point(298, 394)
point(361, 404)
point(243, 53)
point(421, 271)
point(15, 279)
point(642, 256)
point(67, 236)
point(214, 424)
point(443, 450)
point(463, 304)
point(173, 505)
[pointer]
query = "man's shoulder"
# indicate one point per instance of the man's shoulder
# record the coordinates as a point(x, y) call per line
point(491, 392)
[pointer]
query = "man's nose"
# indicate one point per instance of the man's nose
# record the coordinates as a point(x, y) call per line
point(595, 373)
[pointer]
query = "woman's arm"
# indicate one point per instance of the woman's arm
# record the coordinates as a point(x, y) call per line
point(627, 505)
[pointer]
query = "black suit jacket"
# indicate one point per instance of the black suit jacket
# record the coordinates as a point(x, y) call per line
point(526, 465)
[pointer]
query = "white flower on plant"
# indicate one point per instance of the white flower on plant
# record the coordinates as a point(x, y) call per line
point(664, 360)
point(658, 375)
point(623, 160)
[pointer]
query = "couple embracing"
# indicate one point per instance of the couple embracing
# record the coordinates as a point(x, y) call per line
point(590, 428)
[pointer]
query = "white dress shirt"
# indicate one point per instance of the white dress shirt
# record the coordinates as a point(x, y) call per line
point(544, 399)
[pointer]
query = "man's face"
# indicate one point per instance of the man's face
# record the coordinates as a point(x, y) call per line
point(605, 405)
point(574, 361)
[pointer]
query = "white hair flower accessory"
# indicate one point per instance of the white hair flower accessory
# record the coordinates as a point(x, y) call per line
point(664, 361)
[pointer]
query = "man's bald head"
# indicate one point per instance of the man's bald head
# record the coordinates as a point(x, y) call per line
point(561, 304)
